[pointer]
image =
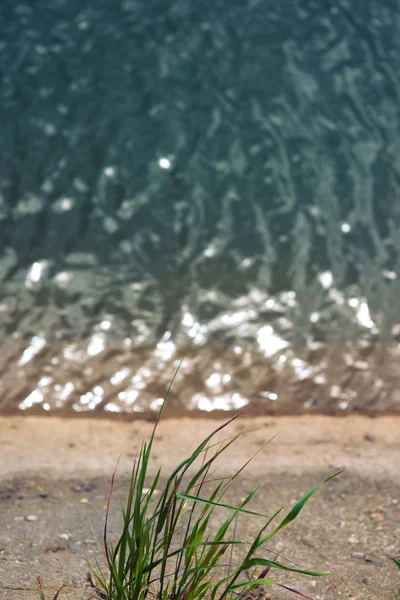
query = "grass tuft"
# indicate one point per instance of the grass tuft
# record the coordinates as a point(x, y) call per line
point(168, 548)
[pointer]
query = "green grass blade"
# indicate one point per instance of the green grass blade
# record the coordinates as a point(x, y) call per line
point(264, 562)
point(292, 514)
point(160, 412)
point(252, 584)
point(159, 561)
point(221, 505)
point(185, 464)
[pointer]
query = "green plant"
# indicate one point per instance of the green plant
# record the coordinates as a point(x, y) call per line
point(167, 550)
point(41, 593)
point(397, 562)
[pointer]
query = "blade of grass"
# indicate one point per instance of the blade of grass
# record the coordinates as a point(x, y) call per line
point(40, 591)
point(264, 562)
point(39, 583)
point(107, 512)
point(292, 514)
point(221, 505)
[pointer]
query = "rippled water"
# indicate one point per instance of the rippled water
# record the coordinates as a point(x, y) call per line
point(217, 180)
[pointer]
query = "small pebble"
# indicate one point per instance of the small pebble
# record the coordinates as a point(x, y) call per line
point(375, 516)
point(64, 536)
point(81, 486)
point(352, 539)
point(84, 501)
point(42, 492)
point(358, 555)
point(31, 518)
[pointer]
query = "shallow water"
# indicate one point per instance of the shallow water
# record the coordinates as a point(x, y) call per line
point(215, 180)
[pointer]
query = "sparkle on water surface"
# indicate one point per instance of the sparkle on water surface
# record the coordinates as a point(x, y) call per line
point(200, 196)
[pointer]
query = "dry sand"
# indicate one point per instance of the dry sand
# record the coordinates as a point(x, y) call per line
point(55, 473)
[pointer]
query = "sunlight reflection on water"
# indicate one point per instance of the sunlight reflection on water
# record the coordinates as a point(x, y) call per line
point(169, 188)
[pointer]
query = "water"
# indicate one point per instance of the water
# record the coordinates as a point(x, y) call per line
point(214, 180)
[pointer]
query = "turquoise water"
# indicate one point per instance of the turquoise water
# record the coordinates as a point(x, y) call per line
point(215, 180)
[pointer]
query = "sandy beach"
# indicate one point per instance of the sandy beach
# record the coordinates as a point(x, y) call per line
point(55, 475)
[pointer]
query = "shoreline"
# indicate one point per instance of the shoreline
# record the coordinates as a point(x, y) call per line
point(88, 444)
point(251, 411)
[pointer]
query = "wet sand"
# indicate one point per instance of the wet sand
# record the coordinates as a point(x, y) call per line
point(55, 473)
